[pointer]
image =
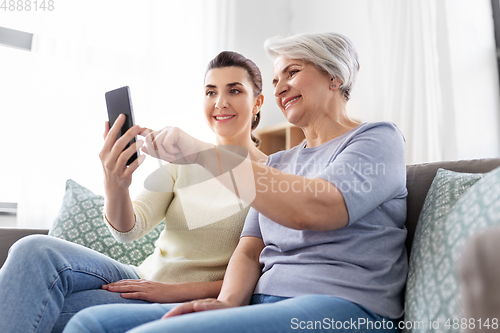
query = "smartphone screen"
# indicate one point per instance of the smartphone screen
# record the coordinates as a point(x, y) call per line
point(118, 101)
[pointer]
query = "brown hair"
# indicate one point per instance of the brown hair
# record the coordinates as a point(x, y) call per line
point(233, 59)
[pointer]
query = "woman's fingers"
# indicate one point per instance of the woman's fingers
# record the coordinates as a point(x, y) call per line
point(112, 148)
point(163, 145)
point(124, 281)
point(151, 145)
point(170, 140)
point(145, 131)
point(114, 158)
point(172, 145)
point(137, 295)
point(134, 165)
point(137, 289)
point(106, 129)
point(113, 132)
point(125, 285)
point(125, 288)
point(154, 145)
point(196, 306)
point(180, 310)
point(129, 152)
point(124, 140)
point(211, 304)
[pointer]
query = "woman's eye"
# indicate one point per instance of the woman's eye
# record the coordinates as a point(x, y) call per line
point(234, 91)
point(210, 93)
point(293, 72)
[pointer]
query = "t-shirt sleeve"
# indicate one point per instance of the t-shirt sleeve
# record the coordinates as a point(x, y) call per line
point(370, 169)
point(251, 226)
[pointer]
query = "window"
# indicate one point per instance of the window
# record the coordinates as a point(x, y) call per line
point(52, 96)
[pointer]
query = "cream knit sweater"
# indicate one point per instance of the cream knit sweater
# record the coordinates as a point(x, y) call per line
point(203, 225)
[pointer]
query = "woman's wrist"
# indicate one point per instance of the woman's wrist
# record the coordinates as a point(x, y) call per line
point(115, 192)
point(186, 291)
point(115, 200)
point(118, 210)
point(232, 300)
point(112, 226)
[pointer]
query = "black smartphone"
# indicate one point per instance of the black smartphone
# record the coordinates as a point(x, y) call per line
point(118, 101)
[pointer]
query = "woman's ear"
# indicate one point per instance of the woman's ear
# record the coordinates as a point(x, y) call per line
point(335, 83)
point(258, 104)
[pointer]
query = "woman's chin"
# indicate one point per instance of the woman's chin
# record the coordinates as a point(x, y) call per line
point(293, 118)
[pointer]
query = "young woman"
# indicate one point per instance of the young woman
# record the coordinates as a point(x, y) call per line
point(46, 280)
point(323, 245)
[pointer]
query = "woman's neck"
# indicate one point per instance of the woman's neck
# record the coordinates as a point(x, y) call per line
point(327, 126)
point(254, 152)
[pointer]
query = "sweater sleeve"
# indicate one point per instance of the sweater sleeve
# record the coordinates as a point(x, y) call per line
point(151, 205)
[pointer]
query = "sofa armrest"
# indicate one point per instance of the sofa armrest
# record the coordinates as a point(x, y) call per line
point(10, 236)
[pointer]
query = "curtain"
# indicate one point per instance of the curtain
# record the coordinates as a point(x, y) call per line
point(409, 75)
point(219, 26)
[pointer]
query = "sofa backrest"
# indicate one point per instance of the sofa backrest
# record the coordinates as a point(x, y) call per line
point(9, 236)
point(418, 181)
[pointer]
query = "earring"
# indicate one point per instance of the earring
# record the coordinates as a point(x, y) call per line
point(334, 86)
point(254, 117)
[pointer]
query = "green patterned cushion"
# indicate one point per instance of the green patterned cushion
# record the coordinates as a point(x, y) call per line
point(458, 206)
point(80, 220)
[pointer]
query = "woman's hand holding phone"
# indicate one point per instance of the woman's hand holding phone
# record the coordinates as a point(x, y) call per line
point(118, 176)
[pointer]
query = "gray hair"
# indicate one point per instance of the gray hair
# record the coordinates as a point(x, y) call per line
point(330, 52)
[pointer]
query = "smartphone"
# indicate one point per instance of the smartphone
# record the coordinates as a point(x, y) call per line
point(118, 101)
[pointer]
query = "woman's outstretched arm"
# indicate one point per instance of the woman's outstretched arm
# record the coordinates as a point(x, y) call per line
point(302, 203)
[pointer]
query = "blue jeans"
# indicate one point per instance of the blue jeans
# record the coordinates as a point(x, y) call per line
point(312, 313)
point(46, 280)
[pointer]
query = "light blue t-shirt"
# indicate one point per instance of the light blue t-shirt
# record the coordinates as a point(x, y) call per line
point(364, 262)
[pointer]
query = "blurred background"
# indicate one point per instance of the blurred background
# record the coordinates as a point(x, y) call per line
point(430, 66)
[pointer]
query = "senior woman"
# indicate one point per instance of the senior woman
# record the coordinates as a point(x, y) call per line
point(323, 244)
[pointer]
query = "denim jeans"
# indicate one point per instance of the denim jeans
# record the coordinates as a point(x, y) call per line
point(312, 313)
point(45, 280)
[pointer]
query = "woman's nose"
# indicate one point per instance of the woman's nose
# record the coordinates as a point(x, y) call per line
point(280, 88)
point(221, 103)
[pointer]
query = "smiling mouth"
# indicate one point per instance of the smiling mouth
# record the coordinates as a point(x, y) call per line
point(287, 104)
point(223, 117)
